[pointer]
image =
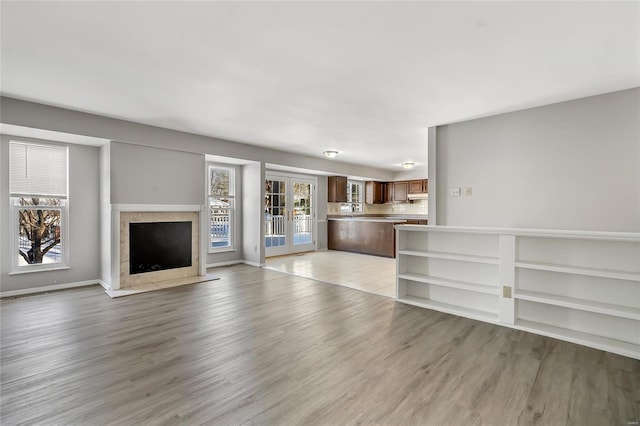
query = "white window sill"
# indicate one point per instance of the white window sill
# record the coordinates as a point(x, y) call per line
point(223, 250)
point(30, 271)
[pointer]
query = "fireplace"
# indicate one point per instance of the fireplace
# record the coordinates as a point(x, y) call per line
point(158, 246)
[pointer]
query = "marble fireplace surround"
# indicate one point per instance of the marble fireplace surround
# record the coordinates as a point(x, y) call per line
point(123, 215)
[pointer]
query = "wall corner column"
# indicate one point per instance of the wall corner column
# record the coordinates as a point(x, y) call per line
point(432, 175)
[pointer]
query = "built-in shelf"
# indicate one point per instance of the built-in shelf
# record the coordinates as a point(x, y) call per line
point(584, 305)
point(450, 256)
point(585, 339)
point(513, 294)
point(593, 272)
point(443, 282)
point(487, 316)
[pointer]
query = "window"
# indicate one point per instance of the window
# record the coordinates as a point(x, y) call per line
point(355, 197)
point(39, 203)
point(221, 182)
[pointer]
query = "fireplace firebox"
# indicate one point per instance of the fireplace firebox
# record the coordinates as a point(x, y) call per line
point(157, 246)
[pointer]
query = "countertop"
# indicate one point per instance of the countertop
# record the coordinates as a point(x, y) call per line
point(379, 216)
point(367, 219)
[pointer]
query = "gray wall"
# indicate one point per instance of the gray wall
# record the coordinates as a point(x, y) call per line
point(148, 175)
point(321, 199)
point(152, 165)
point(126, 184)
point(84, 221)
point(571, 165)
point(29, 114)
point(253, 213)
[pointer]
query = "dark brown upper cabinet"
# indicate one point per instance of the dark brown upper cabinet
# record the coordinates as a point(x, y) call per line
point(337, 189)
point(418, 186)
point(400, 191)
point(374, 192)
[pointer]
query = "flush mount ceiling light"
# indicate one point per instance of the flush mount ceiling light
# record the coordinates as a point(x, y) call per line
point(330, 153)
point(408, 164)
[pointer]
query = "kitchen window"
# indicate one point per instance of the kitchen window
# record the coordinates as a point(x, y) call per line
point(355, 197)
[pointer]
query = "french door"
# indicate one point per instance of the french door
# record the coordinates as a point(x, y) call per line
point(289, 214)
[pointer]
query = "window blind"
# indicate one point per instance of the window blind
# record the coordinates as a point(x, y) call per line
point(37, 170)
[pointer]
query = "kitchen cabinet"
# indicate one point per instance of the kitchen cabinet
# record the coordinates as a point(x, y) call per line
point(375, 236)
point(337, 189)
point(388, 192)
point(418, 186)
point(374, 192)
point(400, 191)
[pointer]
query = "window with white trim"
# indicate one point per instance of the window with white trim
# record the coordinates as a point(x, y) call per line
point(221, 184)
point(355, 197)
point(38, 187)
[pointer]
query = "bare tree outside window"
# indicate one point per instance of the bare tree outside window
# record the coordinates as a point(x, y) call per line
point(39, 228)
point(221, 205)
point(219, 182)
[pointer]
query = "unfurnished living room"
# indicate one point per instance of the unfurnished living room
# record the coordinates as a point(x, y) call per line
point(327, 213)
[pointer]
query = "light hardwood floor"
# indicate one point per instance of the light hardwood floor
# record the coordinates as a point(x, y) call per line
point(373, 274)
point(262, 347)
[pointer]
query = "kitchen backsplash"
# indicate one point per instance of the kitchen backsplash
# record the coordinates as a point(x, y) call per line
point(416, 207)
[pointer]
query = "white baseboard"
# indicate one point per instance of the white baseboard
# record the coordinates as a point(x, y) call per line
point(227, 263)
point(44, 289)
point(235, 262)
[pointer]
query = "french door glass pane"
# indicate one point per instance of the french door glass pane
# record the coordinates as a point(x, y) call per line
point(302, 216)
point(275, 210)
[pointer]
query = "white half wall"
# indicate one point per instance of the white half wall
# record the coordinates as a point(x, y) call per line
point(572, 166)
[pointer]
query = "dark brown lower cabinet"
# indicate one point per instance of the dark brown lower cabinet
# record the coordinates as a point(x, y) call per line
point(416, 221)
point(359, 236)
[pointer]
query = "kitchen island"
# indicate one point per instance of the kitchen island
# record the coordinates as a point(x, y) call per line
point(366, 235)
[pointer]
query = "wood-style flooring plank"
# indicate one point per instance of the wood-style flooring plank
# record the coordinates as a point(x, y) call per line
point(264, 347)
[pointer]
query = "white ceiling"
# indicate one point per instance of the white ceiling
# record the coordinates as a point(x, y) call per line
point(365, 78)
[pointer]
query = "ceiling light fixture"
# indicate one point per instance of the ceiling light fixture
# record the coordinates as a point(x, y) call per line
point(408, 164)
point(330, 153)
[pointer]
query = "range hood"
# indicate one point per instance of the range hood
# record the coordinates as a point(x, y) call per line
point(423, 196)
